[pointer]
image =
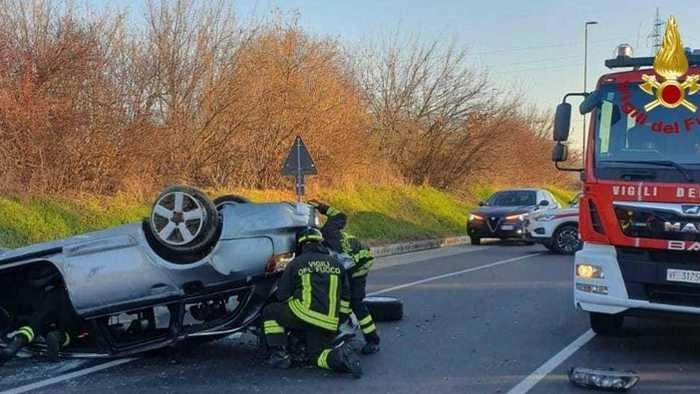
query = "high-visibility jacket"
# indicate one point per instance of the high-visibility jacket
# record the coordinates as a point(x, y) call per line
point(341, 241)
point(315, 286)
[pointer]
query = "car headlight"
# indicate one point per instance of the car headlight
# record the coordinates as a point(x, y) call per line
point(520, 217)
point(545, 218)
point(475, 217)
point(588, 271)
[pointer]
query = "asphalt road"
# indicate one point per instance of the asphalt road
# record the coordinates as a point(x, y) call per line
point(486, 319)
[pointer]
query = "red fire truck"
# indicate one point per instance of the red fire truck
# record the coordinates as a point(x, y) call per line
point(640, 209)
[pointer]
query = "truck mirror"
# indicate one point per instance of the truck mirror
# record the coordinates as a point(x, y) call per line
point(562, 122)
point(591, 101)
point(560, 152)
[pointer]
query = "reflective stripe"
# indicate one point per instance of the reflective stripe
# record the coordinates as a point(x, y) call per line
point(310, 238)
point(312, 317)
point(366, 320)
point(306, 290)
point(272, 327)
point(333, 296)
point(66, 341)
point(322, 360)
point(344, 303)
point(345, 310)
point(369, 329)
point(27, 332)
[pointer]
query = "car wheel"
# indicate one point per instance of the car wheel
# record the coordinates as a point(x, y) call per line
point(606, 325)
point(384, 308)
point(475, 240)
point(565, 239)
point(230, 198)
point(184, 224)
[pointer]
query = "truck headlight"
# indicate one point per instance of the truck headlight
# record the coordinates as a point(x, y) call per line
point(588, 271)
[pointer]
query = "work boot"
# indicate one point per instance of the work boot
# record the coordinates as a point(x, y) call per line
point(279, 359)
point(344, 359)
point(55, 341)
point(18, 342)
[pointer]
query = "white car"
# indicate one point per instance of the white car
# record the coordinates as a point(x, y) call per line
point(556, 229)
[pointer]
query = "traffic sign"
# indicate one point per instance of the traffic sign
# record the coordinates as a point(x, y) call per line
point(298, 164)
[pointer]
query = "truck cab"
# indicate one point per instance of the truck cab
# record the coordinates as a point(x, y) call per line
point(640, 209)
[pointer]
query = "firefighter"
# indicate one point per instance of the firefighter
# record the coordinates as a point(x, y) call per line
point(53, 315)
point(314, 298)
point(339, 240)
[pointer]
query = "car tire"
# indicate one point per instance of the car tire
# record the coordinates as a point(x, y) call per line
point(230, 198)
point(566, 240)
point(475, 240)
point(384, 308)
point(184, 224)
point(606, 325)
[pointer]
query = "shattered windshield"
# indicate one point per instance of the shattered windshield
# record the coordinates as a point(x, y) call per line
point(633, 130)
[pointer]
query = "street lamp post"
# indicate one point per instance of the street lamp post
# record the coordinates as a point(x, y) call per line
point(585, 73)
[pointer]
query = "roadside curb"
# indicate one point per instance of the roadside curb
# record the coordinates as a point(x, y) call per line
point(414, 246)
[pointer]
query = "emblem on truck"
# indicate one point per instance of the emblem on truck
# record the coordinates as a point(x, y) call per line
point(671, 63)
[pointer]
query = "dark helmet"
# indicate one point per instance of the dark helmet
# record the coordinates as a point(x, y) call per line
point(309, 234)
point(43, 275)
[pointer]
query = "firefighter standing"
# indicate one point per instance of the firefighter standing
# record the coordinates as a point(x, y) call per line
point(314, 297)
point(362, 260)
point(53, 315)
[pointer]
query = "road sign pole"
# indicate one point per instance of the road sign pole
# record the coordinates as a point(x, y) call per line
point(300, 174)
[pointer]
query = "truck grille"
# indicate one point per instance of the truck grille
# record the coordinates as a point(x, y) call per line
point(644, 273)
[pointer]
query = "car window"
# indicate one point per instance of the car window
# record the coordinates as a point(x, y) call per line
point(510, 198)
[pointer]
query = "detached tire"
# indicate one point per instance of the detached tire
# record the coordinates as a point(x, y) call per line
point(384, 308)
point(184, 224)
point(230, 198)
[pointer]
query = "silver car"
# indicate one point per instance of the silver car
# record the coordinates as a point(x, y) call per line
point(193, 269)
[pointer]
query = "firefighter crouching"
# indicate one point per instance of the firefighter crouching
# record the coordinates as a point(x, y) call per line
point(342, 242)
point(53, 315)
point(314, 298)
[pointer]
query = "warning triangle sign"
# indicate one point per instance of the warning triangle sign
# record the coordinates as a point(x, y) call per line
point(299, 161)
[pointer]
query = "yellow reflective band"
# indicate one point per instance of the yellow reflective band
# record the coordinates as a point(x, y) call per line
point(369, 329)
point(322, 360)
point(312, 317)
point(345, 310)
point(344, 303)
point(271, 330)
point(306, 290)
point(366, 320)
point(27, 332)
point(333, 296)
point(310, 238)
point(332, 211)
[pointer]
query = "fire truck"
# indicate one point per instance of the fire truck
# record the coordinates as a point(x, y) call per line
point(640, 207)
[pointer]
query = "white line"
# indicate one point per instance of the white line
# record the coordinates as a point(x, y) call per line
point(464, 271)
point(529, 382)
point(110, 364)
point(68, 376)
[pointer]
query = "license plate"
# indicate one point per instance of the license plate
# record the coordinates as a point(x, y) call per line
point(683, 276)
point(507, 227)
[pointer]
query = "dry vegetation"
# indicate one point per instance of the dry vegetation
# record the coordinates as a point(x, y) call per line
point(93, 102)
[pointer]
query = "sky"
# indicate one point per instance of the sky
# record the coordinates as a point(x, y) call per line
point(535, 47)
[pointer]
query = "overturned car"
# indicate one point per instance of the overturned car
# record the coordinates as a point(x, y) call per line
point(194, 270)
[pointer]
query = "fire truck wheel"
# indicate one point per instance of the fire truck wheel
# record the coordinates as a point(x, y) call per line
point(607, 325)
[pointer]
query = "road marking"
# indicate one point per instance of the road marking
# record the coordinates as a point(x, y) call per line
point(545, 369)
point(423, 255)
point(114, 363)
point(68, 376)
point(450, 274)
